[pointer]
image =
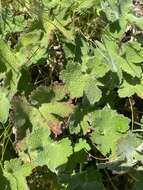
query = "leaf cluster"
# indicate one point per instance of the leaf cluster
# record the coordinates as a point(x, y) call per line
point(71, 90)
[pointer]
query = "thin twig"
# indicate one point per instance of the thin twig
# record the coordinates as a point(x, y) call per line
point(132, 112)
point(133, 177)
point(110, 180)
point(137, 130)
point(137, 123)
point(96, 158)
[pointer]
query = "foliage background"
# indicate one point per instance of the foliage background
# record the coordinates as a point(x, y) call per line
point(71, 90)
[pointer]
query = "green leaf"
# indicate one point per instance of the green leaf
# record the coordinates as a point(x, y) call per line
point(4, 106)
point(96, 66)
point(59, 91)
point(133, 52)
point(111, 10)
point(110, 55)
point(9, 22)
point(125, 63)
point(108, 125)
point(85, 125)
point(127, 147)
point(83, 5)
point(48, 115)
point(135, 20)
point(21, 117)
point(30, 48)
point(92, 92)
point(59, 108)
point(29, 39)
point(44, 151)
point(26, 118)
point(52, 154)
point(75, 120)
point(130, 87)
point(16, 172)
point(74, 79)
point(11, 63)
point(44, 94)
point(82, 144)
point(68, 34)
point(107, 54)
point(8, 57)
point(133, 58)
point(52, 24)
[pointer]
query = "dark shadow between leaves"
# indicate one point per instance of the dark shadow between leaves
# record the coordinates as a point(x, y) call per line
point(131, 80)
point(115, 27)
point(42, 178)
point(111, 80)
point(4, 183)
